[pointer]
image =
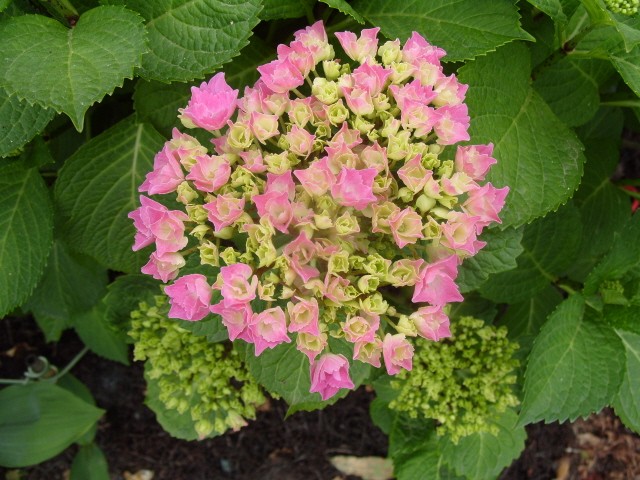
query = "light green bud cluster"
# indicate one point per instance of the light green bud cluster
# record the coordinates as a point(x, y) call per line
point(460, 381)
point(207, 380)
point(625, 7)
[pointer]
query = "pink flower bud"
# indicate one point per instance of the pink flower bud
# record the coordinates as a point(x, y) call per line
point(354, 188)
point(452, 125)
point(236, 319)
point(167, 173)
point(475, 160)
point(303, 316)
point(417, 48)
point(459, 233)
point(436, 283)
point(164, 267)
point(361, 328)
point(414, 175)
point(210, 173)
point(268, 329)
point(276, 207)
point(368, 352)
point(212, 104)
point(155, 222)
point(397, 353)
point(238, 284)
point(317, 178)
point(190, 297)
point(486, 202)
point(314, 38)
point(263, 126)
point(359, 49)
point(329, 374)
point(300, 141)
point(281, 75)
point(311, 345)
point(406, 227)
point(431, 322)
point(253, 161)
point(224, 210)
point(301, 252)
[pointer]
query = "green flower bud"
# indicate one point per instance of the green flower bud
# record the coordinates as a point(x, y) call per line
point(337, 113)
point(200, 231)
point(368, 283)
point(278, 163)
point(346, 224)
point(390, 52)
point(377, 265)
point(446, 169)
point(400, 71)
point(186, 194)
point(229, 255)
point(331, 69)
point(362, 125)
point(338, 262)
point(405, 194)
point(225, 234)
point(398, 145)
point(424, 203)
point(239, 136)
point(197, 213)
point(374, 304)
point(448, 202)
point(325, 90)
point(209, 254)
point(406, 326)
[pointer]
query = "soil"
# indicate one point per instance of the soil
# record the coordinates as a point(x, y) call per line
point(299, 448)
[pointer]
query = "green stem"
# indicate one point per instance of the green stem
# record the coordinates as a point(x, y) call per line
point(567, 48)
point(621, 103)
point(631, 193)
point(69, 366)
point(566, 288)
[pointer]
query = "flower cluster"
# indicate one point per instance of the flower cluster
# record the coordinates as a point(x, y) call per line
point(328, 196)
point(206, 381)
point(461, 381)
point(625, 7)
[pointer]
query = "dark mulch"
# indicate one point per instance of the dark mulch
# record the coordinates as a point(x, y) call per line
point(272, 448)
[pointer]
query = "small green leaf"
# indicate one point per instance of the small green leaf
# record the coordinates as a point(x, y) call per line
point(210, 327)
point(464, 28)
point(484, 455)
point(72, 283)
point(277, 9)
point(98, 186)
point(571, 88)
point(627, 401)
point(158, 103)
point(39, 420)
point(604, 208)
point(558, 10)
point(89, 464)
point(525, 319)
point(70, 69)
point(26, 233)
point(624, 254)
point(189, 38)
point(124, 294)
point(19, 122)
point(575, 367)
point(500, 253)
point(550, 246)
point(344, 7)
point(93, 328)
point(539, 158)
point(625, 318)
point(628, 66)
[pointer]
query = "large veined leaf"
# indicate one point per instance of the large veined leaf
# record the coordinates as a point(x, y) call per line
point(157, 103)
point(558, 10)
point(188, 38)
point(276, 9)
point(71, 284)
point(464, 28)
point(571, 88)
point(96, 333)
point(503, 246)
point(539, 158)
point(39, 420)
point(627, 401)
point(26, 233)
point(575, 367)
point(483, 454)
point(70, 69)
point(628, 66)
point(98, 186)
point(344, 7)
point(19, 122)
point(550, 246)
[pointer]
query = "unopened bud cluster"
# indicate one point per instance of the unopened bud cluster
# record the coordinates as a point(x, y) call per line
point(625, 7)
point(333, 185)
point(461, 381)
point(207, 381)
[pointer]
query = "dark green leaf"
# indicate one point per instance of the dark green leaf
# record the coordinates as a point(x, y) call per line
point(627, 402)
point(69, 70)
point(344, 7)
point(89, 464)
point(39, 420)
point(539, 158)
point(575, 367)
point(124, 294)
point(26, 233)
point(93, 328)
point(98, 187)
point(277, 9)
point(189, 38)
point(464, 28)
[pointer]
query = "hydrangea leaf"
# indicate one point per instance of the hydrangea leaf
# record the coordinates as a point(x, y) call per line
point(26, 233)
point(344, 7)
point(475, 306)
point(158, 103)
point(285, 371)
point(70, 69)
point(95, 331)
point(503, 246)
point(623, 255)
point(627, 401)
point(604, 208)
point(623, 317)
point(125, 293)
point(539, 158)
point(277, 9)
point(464, 28)
point(558, 10)
point(628, 66)
point(575, 367)
point(189, 38)
point(550, 246)
point(72, 283)
point(525, 319)
point(39, 420)
point(98, 186)
point(19, 122)
point(483, 454)
point(571, 88)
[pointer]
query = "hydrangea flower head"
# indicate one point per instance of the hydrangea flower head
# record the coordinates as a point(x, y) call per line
point(331, 187)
